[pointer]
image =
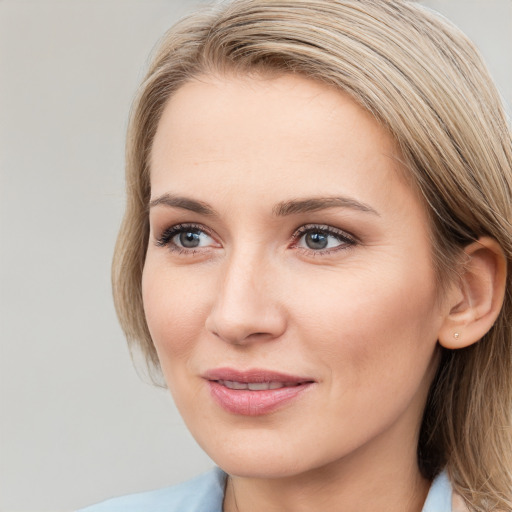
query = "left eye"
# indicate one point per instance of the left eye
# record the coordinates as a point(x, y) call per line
point(322, 239)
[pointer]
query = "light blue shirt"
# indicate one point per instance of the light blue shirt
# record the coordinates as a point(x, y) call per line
point(205, 493)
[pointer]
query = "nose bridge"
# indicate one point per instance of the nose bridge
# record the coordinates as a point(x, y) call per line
point(245, 304)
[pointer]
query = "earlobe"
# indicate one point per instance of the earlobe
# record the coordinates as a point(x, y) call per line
point(476, 299)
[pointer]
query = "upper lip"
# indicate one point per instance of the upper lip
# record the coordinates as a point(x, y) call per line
point(253, 375)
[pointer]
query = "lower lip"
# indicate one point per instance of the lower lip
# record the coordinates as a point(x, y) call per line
point(254, 403)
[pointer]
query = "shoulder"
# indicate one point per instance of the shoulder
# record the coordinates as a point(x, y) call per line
point(204, 493)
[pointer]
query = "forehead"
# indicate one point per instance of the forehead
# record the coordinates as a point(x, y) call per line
point(240, 133)
point(285, 108)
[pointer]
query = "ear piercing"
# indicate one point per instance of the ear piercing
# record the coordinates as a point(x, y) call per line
point(456, 335)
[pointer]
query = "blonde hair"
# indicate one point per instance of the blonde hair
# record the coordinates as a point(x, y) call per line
point(422, 79)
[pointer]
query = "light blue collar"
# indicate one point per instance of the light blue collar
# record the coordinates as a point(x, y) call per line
point(439, 498)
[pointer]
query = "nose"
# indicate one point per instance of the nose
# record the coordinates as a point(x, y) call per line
point(247, 306)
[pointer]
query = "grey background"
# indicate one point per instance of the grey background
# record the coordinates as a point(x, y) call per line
point(77, 424)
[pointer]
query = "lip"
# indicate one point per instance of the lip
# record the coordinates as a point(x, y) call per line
point(248, 402)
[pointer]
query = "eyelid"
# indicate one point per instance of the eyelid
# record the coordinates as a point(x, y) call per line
point(326, 228)
point(165, 238)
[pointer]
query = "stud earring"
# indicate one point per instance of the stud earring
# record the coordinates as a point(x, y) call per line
point(456, 335)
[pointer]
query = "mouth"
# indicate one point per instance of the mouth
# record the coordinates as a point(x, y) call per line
point(254, 392)
point(256, 386)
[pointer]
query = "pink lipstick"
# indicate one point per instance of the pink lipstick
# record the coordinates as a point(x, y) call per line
point(254, 392)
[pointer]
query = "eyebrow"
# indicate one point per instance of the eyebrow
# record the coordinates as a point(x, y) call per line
point(320, 203)
point(182, 202)
point(282, 209)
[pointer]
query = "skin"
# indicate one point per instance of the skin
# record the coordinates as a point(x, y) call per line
point(360, 318)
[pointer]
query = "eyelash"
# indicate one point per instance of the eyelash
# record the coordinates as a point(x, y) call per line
point(165, 239)
point(346, 240)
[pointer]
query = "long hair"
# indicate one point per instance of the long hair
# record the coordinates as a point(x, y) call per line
point(422, 79)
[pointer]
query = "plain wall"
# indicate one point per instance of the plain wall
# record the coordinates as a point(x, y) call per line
point(77, 425)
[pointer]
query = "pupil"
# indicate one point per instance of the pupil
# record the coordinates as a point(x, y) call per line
point(189, 239)
point(316, 240)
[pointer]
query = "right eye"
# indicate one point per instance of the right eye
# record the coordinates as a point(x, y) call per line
point(185, 238)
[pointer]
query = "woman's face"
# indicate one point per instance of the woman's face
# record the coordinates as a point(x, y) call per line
point(288, 284)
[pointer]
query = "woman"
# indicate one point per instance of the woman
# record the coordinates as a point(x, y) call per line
point(315, 255)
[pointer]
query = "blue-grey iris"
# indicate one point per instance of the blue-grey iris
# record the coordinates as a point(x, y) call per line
point(190, 239)
point(316, 240)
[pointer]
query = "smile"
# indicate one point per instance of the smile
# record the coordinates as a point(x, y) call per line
point(254, 392)
point(256, 386)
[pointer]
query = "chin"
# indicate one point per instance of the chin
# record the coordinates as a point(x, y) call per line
point(261, 466)
point(262, 455)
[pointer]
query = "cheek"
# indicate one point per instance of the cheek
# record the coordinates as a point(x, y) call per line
point(370, 322)
point(174, 309)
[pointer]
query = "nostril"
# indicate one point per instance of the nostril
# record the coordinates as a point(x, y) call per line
point(243, 332)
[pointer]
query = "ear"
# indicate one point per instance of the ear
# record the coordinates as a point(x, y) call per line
point(474, 302)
